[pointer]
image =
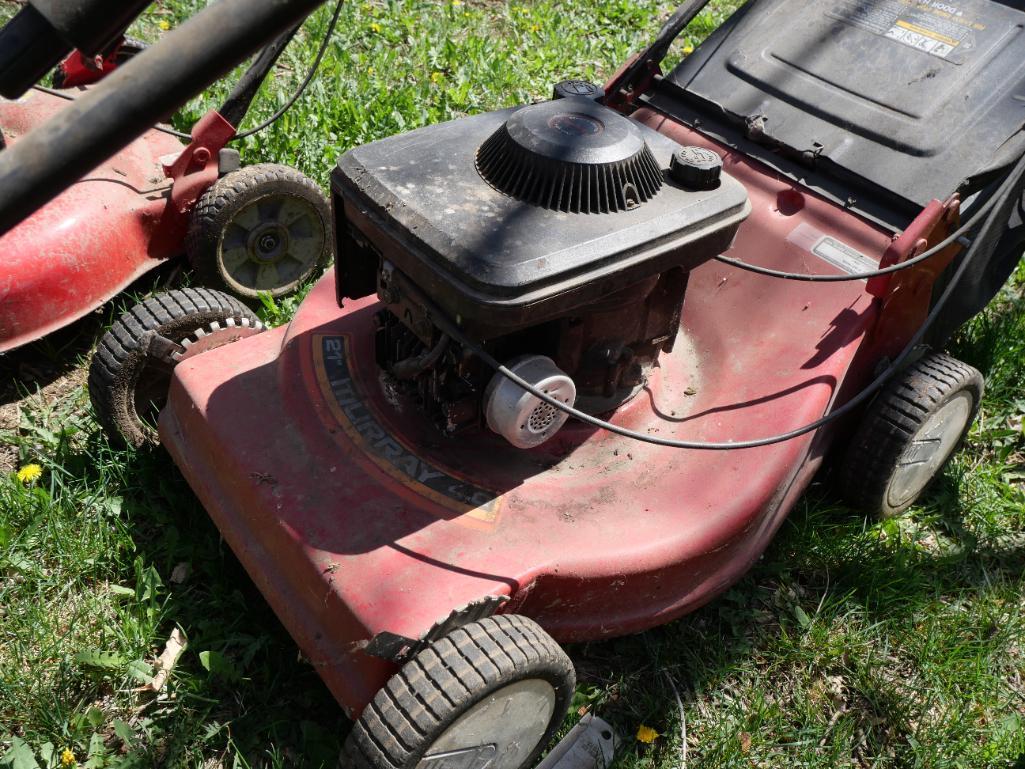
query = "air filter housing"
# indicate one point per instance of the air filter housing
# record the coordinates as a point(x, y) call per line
point(571, 155)
point(417, 206)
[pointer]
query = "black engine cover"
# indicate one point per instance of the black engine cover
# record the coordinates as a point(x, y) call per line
point(495, 261)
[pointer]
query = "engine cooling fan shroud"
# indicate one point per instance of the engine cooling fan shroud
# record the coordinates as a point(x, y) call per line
point(571, 155)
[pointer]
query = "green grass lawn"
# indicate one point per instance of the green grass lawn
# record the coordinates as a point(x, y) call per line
point(852, 642)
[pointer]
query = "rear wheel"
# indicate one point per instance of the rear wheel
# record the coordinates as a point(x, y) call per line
point(909, 433)
point(489, 695)
point(131, 369)
point(262, 229)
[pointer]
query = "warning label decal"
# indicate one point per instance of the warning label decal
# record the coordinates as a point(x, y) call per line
point(839, 254)
point(362, 426)
point(942, 29)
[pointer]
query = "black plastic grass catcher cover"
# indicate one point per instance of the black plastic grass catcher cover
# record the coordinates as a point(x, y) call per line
point(911, 96)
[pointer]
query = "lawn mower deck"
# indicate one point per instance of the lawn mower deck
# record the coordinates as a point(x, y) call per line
point(89, 244)
point(366, 529)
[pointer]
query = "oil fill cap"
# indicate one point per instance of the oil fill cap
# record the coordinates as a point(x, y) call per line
point(577, 88)
point(696, 168)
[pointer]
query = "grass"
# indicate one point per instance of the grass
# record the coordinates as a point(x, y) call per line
point(852, 642)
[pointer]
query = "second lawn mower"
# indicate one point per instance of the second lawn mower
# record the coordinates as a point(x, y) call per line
point(263, 228)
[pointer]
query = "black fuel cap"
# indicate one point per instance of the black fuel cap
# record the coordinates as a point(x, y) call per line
point(577, 88)
point(696, 168)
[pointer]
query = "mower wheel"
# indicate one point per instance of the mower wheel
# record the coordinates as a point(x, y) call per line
point(489, 694)
point(262, 229)
point(131, 369)
point(909, 432)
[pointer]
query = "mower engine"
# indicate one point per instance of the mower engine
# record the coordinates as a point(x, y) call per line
point(559, 236)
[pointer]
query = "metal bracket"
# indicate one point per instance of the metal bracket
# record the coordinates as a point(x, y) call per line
point(228, 161)
point(399, 649)
point(160, 347)
point(591, 744)
point(755, 127)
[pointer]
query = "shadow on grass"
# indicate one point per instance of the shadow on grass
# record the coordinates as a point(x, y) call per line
point(824, 570)
point(241, 686)
point(263, 702)
point(828, 571)
point(42, 363)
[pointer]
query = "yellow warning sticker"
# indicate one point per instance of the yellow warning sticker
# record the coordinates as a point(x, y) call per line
point(940, 29)
point(922, 39)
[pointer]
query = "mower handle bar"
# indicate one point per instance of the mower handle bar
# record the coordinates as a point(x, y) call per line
point(241, 97)
point(656, 52)
point(123, 105)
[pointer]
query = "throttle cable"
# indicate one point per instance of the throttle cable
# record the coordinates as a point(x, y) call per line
point(959, 233)
point(306, 81)
point(1000, 197)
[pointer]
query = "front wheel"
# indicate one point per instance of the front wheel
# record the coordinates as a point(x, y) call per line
point(489, 695)
point(130, 372)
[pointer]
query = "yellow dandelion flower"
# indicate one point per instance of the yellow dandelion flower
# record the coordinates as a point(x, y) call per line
point(30, 473)
point(688, 50)
point(436, 77)
point(370, 70)
point(457, 2)
point(535, 28)
point(646, 734)
point(375, 27)
point(68, 758)
point(164, 24)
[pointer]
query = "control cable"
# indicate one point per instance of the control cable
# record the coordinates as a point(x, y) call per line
point(1000, 198)
point(959, 233)
point(306, 80)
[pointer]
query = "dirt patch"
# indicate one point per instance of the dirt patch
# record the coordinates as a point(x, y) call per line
point(51, 391)
point(44, 372)
point(8, 456)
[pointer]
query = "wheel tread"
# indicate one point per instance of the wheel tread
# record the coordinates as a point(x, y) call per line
point(893, 419)
point(226, 196)
point(115, 366)
point(422, 699)
point(465, 658)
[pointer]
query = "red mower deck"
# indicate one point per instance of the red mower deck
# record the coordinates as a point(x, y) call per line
point(677, 260)
point(355, 518)
point(155, 199)
point(90, 243)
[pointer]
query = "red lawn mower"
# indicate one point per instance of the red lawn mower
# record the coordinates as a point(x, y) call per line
point(264, 228)
point(577, 359)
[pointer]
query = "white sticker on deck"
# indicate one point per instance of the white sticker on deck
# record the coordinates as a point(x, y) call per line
point(837, 253)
